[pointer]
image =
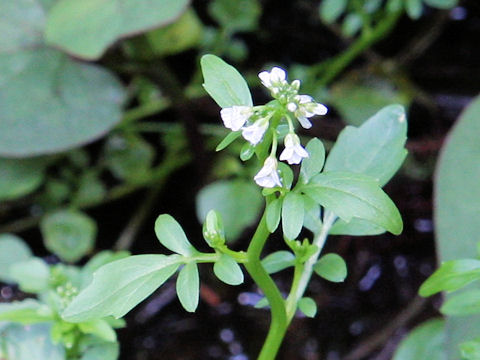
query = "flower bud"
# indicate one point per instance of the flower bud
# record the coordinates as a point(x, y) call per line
point(213, 231)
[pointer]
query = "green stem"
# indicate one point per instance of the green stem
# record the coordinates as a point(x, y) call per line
point(303, 274)
point(365, 41)
point(279, 323)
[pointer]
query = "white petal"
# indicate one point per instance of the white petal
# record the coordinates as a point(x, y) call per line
point(278, 74)
point(235, 117)
point(254, 133)
point(303, 99)
point(268, 175)
point(320, 109)
point(265, 78)
point(300, 151)
point(306, 124)
point(286, 154)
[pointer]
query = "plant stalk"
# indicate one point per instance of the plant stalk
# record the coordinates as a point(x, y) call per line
point(302, 278)
point(279, 323)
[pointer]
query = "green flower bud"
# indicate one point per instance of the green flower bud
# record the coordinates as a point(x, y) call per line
point(213, 231)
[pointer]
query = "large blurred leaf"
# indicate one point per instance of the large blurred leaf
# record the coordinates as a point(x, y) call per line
point(457, 199)
point(331, 10)
point(183, 34)
point(48, 102)
point(19, 177)
point(238, 202)
point(12, 250)
point(26, 312)
point(357, 98)
point(376, 148)
point(129, 157)
point(236, 15)
point(69, 234)
point(101, 22)
point(424, 342)
point(32, 342)
point(120, 285)
point(32, 275)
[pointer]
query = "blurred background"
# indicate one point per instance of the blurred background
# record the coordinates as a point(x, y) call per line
point(104, 125)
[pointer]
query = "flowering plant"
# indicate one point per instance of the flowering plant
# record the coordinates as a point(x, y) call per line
point(338, 194)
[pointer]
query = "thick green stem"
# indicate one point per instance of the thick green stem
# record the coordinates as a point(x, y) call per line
point(365, 41)
point(303, 274)
point(279, 323)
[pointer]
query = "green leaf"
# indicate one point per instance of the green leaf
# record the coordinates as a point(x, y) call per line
point(188, 286)
point(452, 275)
point(101, 24)
point(68, 104)
point(376, 148)
point(231, 137)
point(99, 328)
point(311, 219)
point(91, 190)
point(224, 83)
point(286, 174)
point(441, 4)
point(30, 342)
point(102, 258)
point(183, 34)
point(307, 306)
point(171, 235)
point(32, 275)
point(314, 163)
point(120, 285)
point(358, 96)
point(355, 227)
point(470, 350)
point(292, 215)
point(70, 234)
point(457, 200)
point(25, 312)
point(352, 24)
point(239, 202)
point(394, 5)
point(273, 213)
point(129, 158)
point(20, 177)
point(331, 267)
point(278, 261)
point(351, 196)
point(465, 303)
point(414, 8)
point(331, 10)
point(247, 151)
point(102, 351)
point(370, 6)
point(228, 270)
point(424, 342)
point(236, 15)
point(12, 250)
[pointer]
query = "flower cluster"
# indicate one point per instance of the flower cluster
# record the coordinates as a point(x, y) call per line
point(255, 121)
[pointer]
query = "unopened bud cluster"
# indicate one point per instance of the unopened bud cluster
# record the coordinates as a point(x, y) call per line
point(255, 121)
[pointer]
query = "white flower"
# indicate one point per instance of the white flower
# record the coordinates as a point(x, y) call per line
point(272, 79)
point(236, 116)
point(268, 175)
point(308, 108)
point(254, 133)
point(293, 152)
